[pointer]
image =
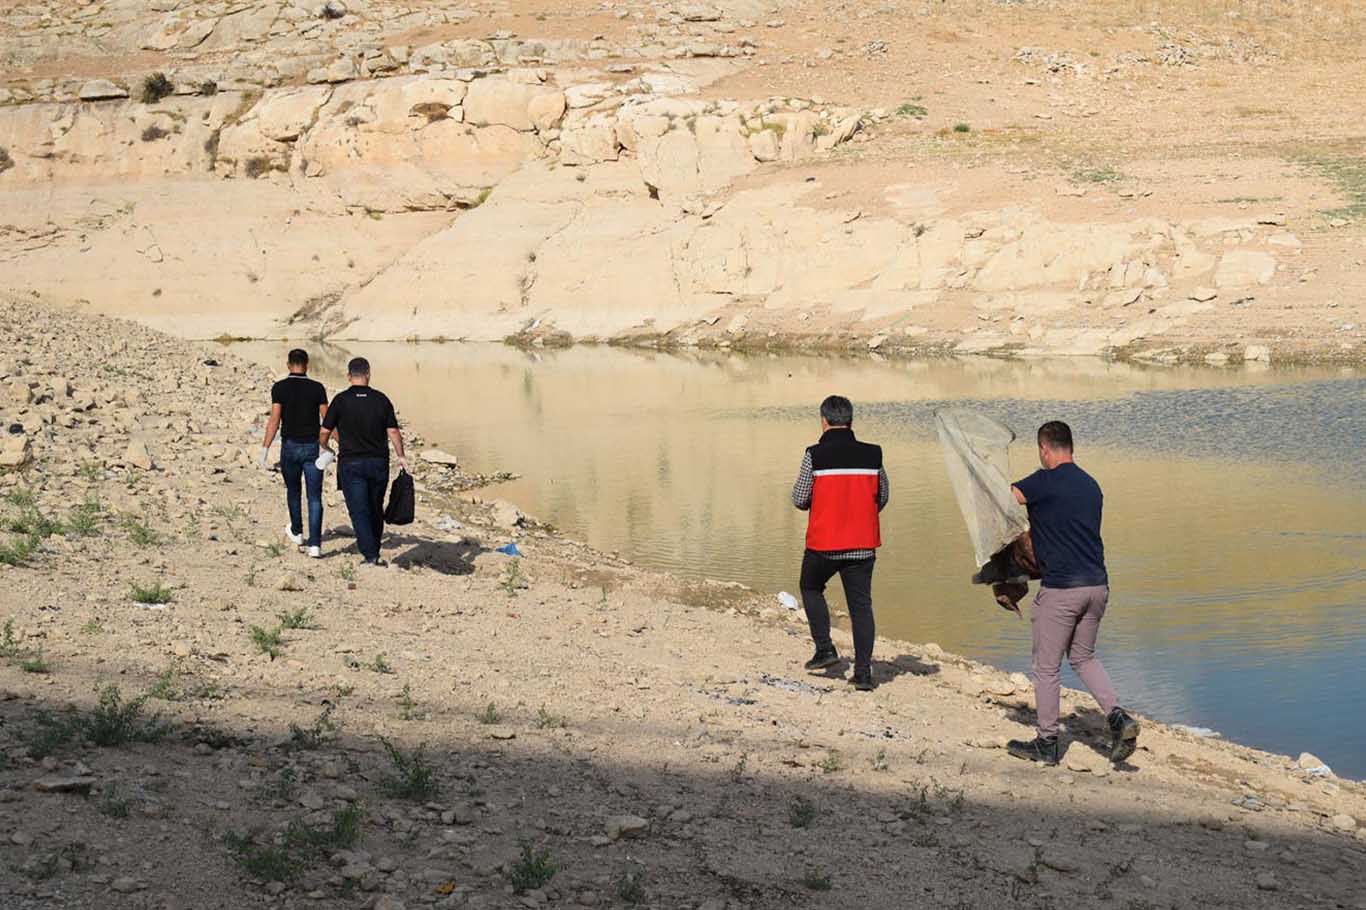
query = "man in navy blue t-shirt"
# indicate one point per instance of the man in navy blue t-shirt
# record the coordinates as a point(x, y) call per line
point(1064, 504)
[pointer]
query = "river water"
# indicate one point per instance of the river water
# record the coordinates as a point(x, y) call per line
point(1235, 519)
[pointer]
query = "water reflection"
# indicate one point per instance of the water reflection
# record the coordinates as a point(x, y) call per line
point(1233, 499)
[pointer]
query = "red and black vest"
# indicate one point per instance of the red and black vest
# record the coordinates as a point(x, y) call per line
point(844, 476)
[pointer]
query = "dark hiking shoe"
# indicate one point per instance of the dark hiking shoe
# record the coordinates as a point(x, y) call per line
point(1123, 735)
point(823, 658)
point(1043, 751)
point(862, 680)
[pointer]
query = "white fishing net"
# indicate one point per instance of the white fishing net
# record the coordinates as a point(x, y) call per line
point(975, 454)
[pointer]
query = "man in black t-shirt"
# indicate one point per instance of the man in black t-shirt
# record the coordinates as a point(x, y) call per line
point(1065, 505)
point(297, 405)
point(364, 421)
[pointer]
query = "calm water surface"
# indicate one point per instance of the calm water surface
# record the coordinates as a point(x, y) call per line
point(1234, 523)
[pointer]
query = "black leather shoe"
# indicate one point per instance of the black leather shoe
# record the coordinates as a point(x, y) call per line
point(1043, 751)
point(1123, 735)
point(862, 680)
point(824, 657)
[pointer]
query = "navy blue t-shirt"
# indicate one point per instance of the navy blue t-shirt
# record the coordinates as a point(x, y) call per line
point(1064, 522)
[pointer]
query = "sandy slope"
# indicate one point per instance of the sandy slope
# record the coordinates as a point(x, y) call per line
point(554, 699)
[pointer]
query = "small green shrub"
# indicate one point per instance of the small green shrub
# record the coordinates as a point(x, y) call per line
point(20, 550)
point(32, 523)
point(155, 87)
point(489, 715)
point(342, 834)
point(816, 880)
point(140, 534)
point(406, 705)
point(1096, 175)
point(801, 812)
point(155, 593)
point(268, 641)
point(832, 762)
point(547, 721)
point(153, 133)
point(9, 642)
point(909, 109)
point(297, 619)
point(112, 805)
point(85, 518)
point(533, 869)
point(380, 665)
point(267, 863)
point(35, 663)
point(513, 579)
point(317, 735)
point(962, 128)
point(114, 721)
point(414, 777)
point(631, 887)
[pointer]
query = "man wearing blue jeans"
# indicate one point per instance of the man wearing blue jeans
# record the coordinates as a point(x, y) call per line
point(297, 406)
point(364, 422)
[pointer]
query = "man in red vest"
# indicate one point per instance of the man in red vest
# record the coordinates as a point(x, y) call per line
point(843, 484)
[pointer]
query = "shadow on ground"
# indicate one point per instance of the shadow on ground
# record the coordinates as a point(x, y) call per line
point(745, 815)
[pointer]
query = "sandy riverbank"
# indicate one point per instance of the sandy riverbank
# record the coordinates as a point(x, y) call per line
point(653, 740)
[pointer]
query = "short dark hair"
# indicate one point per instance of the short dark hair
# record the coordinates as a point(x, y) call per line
point(358, 366)
point(1056, 435)
point(298, 358)
point(838, 411)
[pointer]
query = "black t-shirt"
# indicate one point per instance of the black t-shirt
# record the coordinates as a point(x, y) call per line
point(299, 399)
point(362, 416)
point(1064, 522)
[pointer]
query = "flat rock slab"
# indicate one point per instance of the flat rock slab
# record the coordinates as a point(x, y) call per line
point(64, 784)
point(619, 826)
point(102, 90)
point(437, 456)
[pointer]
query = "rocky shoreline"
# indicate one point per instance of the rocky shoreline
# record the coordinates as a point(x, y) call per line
point(194, 715)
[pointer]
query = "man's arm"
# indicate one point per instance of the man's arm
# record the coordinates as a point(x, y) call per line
point(396, 437)
point(1019, 497)
point(884, 489)
point(272, 426)
point(801, 490)
point(329, 424)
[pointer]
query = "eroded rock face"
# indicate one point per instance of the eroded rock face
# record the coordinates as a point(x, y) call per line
point(329, 179)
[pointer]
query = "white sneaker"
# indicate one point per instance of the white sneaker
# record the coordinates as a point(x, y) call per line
point(315, 552)
point(296, 539)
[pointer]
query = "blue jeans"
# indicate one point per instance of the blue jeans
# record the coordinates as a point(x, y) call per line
point(362, 482)
point(297, 464)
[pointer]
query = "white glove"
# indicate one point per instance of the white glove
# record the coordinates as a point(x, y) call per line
point(264, 460)
point(325, 459)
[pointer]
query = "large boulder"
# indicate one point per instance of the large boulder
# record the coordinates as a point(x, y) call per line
point(101, 90)
point(498, 101)
point(1243, 268)
point(589, 143)
point(283, 116)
